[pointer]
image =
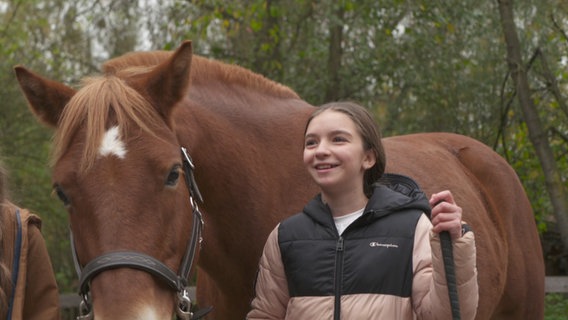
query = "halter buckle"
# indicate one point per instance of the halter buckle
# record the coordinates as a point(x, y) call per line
point(85, 309)
point(184, 305)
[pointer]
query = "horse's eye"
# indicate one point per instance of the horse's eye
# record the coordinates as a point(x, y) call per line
point(61, 195)
point(173, 176)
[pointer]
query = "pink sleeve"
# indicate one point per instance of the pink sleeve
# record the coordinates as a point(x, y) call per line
point(272, 296)
point(430, 292)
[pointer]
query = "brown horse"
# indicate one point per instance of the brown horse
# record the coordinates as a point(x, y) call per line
point(116, 162)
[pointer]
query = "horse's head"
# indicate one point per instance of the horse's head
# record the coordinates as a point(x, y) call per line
point(118, 169)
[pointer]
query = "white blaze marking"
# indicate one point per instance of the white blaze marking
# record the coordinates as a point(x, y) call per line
point(112, 145)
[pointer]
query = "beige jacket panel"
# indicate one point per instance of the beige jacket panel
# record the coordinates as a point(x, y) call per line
point(272, 297)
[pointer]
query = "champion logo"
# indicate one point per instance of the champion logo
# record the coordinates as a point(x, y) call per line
point(384, 245)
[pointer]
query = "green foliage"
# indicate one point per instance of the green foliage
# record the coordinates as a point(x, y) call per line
point(521, 155)
point(556, 307)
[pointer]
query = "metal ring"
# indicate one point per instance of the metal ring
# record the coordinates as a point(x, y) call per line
point(85, 309)
point(184, 305)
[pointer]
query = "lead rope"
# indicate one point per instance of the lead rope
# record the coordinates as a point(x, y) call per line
point(450, 269)
point(449, 266)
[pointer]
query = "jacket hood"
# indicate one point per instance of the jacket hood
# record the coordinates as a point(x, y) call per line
point(395, 192)
point(391, 193)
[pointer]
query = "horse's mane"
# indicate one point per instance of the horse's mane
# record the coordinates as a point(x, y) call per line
point(99, 99)
point(202, 70)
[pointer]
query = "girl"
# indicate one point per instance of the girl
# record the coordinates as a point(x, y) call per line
point(360, 249)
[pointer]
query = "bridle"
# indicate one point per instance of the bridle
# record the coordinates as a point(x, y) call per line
point(136, 260)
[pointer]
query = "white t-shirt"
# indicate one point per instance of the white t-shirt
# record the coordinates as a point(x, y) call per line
point(344, 221)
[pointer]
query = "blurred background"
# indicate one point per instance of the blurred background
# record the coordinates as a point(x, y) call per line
point(418, 65)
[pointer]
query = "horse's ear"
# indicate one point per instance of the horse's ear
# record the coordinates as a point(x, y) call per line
point(168, 83)
point(46, 98)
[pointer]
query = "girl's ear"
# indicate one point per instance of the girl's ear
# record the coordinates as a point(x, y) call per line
point(369, 160)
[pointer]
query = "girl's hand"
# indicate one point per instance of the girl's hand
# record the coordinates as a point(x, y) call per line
point(446, 214)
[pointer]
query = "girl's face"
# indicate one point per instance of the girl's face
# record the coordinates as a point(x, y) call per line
point(334, 153)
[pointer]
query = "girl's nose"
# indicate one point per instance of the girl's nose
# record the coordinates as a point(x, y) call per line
point(322, 149)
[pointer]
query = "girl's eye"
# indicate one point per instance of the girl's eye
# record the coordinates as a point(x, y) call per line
point(339, 139)
point(310, 143)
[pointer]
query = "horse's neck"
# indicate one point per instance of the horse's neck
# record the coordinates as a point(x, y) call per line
point(244, 149)
point(248, 156)
point(243, 169)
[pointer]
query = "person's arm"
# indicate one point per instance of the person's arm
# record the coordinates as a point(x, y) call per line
point(466, 273)
point(430, 292)
point(42, 296)
point(271, 287)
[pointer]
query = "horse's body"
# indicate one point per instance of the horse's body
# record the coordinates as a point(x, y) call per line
point(245, 136)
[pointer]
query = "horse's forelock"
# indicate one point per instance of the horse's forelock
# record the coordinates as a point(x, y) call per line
point(91, 108)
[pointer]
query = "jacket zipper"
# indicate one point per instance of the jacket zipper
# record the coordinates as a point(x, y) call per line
point(338, 278)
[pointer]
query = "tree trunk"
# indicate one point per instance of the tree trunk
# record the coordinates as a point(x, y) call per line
point(267, 52)
point(537, 135)
point(333, 91)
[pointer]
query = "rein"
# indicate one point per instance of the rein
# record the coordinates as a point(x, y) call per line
point(135, 260)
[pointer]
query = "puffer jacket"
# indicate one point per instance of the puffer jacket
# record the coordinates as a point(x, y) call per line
point(386, 265)
point(35, 295)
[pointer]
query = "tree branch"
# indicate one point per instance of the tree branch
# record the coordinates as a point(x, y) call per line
point(558, 27)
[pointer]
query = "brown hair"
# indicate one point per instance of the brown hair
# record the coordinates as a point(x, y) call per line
point(369, 131)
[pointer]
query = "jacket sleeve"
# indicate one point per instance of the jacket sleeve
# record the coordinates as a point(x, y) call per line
point(42, 296)
point(271, 287)
point(430, 297)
